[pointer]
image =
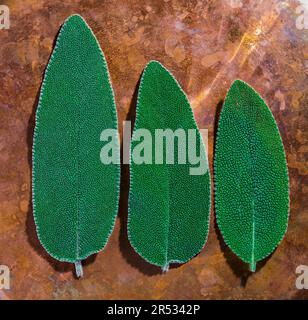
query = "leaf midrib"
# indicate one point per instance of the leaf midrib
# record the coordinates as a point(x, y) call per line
point(252, 163)
point(81, 103)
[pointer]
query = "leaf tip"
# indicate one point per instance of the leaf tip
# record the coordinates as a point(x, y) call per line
point(242, 86)
point(239, 84)
point(75, 19)
point(154, 64)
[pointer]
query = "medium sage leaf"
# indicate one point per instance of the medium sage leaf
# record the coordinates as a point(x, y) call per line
point(251, 178)
point(169, 203)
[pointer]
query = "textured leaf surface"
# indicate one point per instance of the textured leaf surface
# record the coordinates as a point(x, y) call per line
point(251, 179)
point(168, 208)
point(75, 196)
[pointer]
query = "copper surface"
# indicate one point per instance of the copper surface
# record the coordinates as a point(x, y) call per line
point(206, 45)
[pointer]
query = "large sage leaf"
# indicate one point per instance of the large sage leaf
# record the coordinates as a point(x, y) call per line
point(75, 196)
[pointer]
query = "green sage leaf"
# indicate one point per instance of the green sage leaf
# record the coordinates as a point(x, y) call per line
point(251, 178)
point(75, 195)
point(169, 203)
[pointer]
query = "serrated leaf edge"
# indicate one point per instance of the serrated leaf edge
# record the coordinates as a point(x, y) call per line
point(216, 182)
point(165, 267)
point(34, 143)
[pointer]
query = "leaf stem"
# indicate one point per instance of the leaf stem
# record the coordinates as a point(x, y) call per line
point(165, 268)
point(78, 269)
point(253, 266)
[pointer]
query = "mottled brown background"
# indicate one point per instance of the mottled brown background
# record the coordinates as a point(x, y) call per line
point(206, 45)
